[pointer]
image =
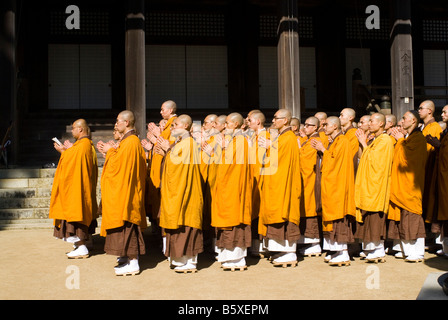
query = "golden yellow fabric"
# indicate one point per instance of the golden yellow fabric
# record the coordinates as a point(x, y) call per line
point(256, 156)
point(156, 159)
point(372, 182)
point(232, 192)
point(354, 143)
point(281, 188)
point(308, 157)
point(434, 129)
point(337, 181)
point(324, 138)
point(181, 187)
point(123, 185)
point(73, 194)
point(408, 175)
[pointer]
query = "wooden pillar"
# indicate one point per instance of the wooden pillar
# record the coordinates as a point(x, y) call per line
point(135, 63)
point(288, 58)
point(401, 58)
point(8, 108)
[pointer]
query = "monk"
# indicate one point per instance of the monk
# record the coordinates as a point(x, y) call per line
point(295, 125)
point(310, 213)
point(168, 113)
point(73, 203)
point(181, 197)
point(123, 189)
point(347, 118)
point(232, 198)
point(322, 116)
point(391, 122)
point(280, 192)
point(337, 193)
point(430, 128)
point(257, 155)
point(406, 190)
point(372, 188)
point(438, 206)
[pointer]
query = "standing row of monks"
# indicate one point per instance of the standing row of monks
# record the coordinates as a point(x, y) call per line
point(237, 186)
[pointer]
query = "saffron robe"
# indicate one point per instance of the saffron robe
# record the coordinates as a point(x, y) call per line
point(123, 185)
point(308, 169)
point(154, 174)
point(73, 194)
point(432, 128)
point(337, 182)
point(232, 193)
point(408, 175)
point(181, 187)
point(372, 182)
point(438, 204)
point(281, 188)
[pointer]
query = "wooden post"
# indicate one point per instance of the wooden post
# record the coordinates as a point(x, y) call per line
point(401, 58)
point(135, 63)
point(8, 77)
point(288, 58)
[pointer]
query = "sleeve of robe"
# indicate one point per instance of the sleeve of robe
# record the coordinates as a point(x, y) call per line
point(442, 177)
point(181, 187)
point(408, 175)
point(308, 156)
point(281, 189)
point(123, 185)
point(73, 190)
point(232, 194)
point(338, 181)
point(156, 159)
point(372, 182)
point(353, 140)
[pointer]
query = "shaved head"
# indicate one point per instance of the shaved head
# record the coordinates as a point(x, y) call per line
point(429, 105)
point(258, 115)
point(313, 120)
point(127, 115)
point(295, 122)
point(185, 120)
point(321, 116)
point(334, 121)
point(285, 113)
point(237, 118)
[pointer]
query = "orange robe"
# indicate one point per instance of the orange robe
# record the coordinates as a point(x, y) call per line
point(438, 195)
point(354, 143)
point(433, 128)
point(123, 185)
point(372, 183)
point(256, 156)
point(232, 194)
point(73, 194)
point(337, 182)
point(154, 175)
point(281, 189)
point(408, 175)
point(181, 187)
point(308, 161)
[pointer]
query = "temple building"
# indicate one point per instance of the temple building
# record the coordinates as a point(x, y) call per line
point(64, 60)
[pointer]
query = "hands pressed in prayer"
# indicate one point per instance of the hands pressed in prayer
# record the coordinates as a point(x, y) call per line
point(103, 147)
point(362, 137)
point(264, 143)
point(396, 133)
point(147, 145)
point(67, 144)
point(207, 148)
point(154, 129)
point(318, 145)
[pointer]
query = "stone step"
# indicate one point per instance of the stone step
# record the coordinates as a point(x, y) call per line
point(21, 193)
point(23, 203)
point(26, 173)
point(26, 183)
point(26, 224)
point(23, 213)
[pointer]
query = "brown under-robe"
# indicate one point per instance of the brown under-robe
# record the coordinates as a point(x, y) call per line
point(125, 241)
point(410, 227)
point(184, 241)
